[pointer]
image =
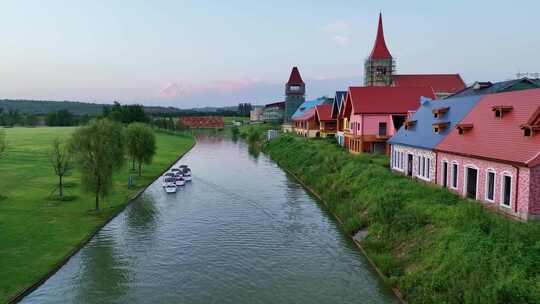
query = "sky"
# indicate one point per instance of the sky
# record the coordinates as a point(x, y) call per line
point(215, 53)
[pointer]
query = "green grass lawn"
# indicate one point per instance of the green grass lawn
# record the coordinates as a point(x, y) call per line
point(37, 232)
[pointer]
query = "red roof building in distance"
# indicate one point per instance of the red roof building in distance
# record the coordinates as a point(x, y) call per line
point(443, 84)
point(494, 152)
point(323, 117)
point(203, 122)
point(371, 115)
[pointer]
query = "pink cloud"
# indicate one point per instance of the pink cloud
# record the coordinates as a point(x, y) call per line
point(181, 89)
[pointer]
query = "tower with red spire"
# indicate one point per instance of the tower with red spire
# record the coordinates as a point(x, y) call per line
point(295, 89)
point(379, 66)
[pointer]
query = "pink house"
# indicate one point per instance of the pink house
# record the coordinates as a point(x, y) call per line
point(371, 115)
point(493, 154)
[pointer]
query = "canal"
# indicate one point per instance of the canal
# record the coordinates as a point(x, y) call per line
point(241, 232)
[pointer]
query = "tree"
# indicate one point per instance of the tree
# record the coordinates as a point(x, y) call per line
point(141, 144)
point(61, 161)
point(99, 151)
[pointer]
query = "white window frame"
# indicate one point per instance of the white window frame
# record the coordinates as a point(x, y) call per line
point(424, 166)
point(456, 174)
point(503, 174)
point(466, 181)
point(486, 186)
point(397, 165)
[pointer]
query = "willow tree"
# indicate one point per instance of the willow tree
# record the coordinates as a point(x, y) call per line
point(141, 144)
point(98, 149)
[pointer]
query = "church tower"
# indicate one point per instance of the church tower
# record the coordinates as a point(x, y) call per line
point(379, 66)
point(295, 89)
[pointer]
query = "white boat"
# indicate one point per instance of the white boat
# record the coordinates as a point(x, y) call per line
point(168, 180)
point(187, 174)
point(170, 188)
point(175, 170)
point(179, 180)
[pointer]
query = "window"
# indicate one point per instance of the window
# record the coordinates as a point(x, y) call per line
point(382, 129)
point(428, 161)
point(527, 132)
point(423, 167)
point(445, 174)
point(490, 186)
point(418, 169)
point(506, 191)
point(454, 175)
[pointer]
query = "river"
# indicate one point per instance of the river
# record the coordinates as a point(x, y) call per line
point(241, 232)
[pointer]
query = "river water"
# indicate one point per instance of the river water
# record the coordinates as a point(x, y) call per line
point(241, 232)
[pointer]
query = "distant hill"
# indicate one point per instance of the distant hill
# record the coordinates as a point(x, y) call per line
point(82, 108)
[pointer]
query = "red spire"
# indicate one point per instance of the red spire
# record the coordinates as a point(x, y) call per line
point(380, 51)
point(295, 77)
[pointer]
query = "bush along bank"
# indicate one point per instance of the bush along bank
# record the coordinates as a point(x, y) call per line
point(432, 245)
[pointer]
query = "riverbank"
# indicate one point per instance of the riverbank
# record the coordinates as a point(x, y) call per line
point(432, 245)
point(38, 233)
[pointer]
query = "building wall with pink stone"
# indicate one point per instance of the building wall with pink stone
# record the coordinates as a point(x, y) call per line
point(534, 193)
point(368, 124)
point(524, 205)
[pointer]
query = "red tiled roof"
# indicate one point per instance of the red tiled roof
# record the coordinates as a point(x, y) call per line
point(324, 112)
point(295, 77)
point(202, 121)
point(499, 138)
point(390, 100)
point(380, 51)
point(448, 83)
point(309, 114)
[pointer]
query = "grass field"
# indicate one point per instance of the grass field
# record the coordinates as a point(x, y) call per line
point(37, 232)
point(433, 245)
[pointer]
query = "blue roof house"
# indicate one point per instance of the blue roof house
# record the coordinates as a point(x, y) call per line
point(309, 104)
point(412, 147)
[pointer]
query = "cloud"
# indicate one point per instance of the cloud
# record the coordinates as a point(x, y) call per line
point(340, 32)
point(184, 89)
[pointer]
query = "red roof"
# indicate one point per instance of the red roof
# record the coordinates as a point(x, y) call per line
point(499, 138)
point(309, 114)
point(202, 121)
point(380, 51)
point(448, 83)
point(324, 112)
point(295, 77)
point(391, 100)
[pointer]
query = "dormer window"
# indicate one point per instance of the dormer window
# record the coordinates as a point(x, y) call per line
point(409, 123)
point(463, 128)
point(437, 113)
point(530, 131)
point(482, 85)
point(501, 110)
point(440, 126)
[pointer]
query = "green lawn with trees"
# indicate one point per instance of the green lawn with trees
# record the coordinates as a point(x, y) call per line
point(37, 227)
point(435, 246)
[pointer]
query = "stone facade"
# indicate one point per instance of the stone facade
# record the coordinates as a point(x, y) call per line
point(524, 183)
point(423, 162)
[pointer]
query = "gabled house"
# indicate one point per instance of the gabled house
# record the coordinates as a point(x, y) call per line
point(339, 99)
point(371, 115)
point(412, 147)
point(443, 85)
point(487, 87)
point(273, 112)
point(323, 118)
point(304, 123)
point(493, 154)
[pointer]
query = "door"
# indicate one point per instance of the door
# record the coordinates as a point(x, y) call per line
point(445, 175)
point(409, 164)
point(472, 174)
point(379, 147)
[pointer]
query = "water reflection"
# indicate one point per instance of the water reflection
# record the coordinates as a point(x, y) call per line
point(240, 232)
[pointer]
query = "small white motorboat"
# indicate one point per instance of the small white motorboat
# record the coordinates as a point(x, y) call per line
point(187, 174)
point(170, 188)
point(179, 180)
point(168, 180)
point(175, 170)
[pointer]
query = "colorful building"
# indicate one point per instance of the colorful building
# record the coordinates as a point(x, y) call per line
point(412, 147)
point(487, 87)
point(304, 122)
point(295, 90)
point(204, 122)
point(323, 118)
point(339, 99)
point(493, 154)
point(380, 66)
point(371, 115)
